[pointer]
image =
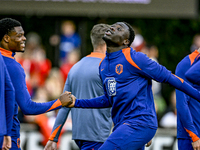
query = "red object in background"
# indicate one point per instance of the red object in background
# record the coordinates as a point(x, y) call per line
point(43, 68)
point(36, 72)
point(65, 68)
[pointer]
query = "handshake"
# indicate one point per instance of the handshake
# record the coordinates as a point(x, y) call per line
point(67, 99)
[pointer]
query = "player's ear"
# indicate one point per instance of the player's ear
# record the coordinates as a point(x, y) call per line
point(126, 42)
point(6, 38)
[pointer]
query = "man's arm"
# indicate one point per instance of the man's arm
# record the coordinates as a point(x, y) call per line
point(153, 70)
point(182, 85)
point(9, 102)
point(60, 121)
point(98, 102)
point(22, 95)
point(7, 143)
point(185, 116)
point(9, 105)
point(51, 145)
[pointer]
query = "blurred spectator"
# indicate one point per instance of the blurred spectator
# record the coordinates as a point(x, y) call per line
point(169, 119)
point(69, 40)
point(196, 43)
point(54, 83)
point(160, 103)
point(42, 66)
point(153, 54)
point(138, 42)
point(72, 58)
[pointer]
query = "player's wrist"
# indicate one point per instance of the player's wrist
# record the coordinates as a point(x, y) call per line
point(53, 140)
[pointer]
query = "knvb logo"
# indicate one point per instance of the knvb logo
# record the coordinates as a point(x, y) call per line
point(119, 69)
point(111, 86)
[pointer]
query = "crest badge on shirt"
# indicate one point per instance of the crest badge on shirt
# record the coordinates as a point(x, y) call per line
point(119, 69)
point(111, 86)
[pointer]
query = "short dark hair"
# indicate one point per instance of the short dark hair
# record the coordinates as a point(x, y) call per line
point(7, 25)
point(97, 33)
point(132, 33)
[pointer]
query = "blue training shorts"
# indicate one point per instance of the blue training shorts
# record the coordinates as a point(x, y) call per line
point(185, 144)
point(88, 145)
point(15, 143)
point(1, 141)
point(129, 137)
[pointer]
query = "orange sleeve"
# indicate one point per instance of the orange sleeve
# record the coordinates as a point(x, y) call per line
point(192, 135)
point(56, 104)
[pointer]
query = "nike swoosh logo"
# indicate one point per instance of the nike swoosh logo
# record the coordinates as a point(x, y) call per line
point(102, 69)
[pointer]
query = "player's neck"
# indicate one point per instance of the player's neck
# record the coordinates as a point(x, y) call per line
point(100, 49)
point(115, 49)
point(4, 46)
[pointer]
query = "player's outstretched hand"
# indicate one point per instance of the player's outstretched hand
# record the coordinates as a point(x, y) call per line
point(51, 145)
point(196, 145)
point(149, 143)
point(6, 143)
point(67, 99)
